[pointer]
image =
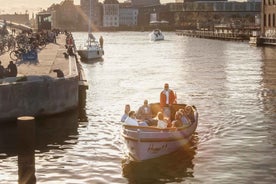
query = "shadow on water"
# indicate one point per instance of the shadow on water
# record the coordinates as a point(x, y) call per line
point(92, 61)
point(174, 167)
point(53, 131)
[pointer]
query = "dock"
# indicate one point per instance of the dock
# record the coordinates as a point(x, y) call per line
point(38, 90)
point(213, 35)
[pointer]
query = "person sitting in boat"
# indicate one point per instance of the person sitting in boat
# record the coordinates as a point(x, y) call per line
point(127, 110)
point(131, 120)
point(180, 120)
point(190, 113)
point(162, 123)
point(144, 113)
point(167, 98)
point(184, 119)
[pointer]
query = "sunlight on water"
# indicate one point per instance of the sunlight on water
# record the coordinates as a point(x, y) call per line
point(232, 85)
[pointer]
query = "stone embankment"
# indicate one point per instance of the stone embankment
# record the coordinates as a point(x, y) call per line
point(37, 90)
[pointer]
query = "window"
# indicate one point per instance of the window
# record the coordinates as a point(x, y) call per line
point(269, 20)
point(264, 20)
point(273, 20)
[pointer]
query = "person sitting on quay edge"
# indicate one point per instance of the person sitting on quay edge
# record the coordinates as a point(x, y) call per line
point(167, 98)
point(127, 110)
point(12, 69)
point(2, 71)
point(144, 113)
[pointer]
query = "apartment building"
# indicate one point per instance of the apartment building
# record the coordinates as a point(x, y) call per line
point(111, 13)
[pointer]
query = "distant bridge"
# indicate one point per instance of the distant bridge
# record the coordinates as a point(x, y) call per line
point(15, 25)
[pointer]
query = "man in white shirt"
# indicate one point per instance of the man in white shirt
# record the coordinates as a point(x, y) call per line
point(131, 120)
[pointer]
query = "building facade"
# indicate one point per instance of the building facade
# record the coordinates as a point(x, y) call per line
point(141, 3)
point(268, 23)
point(96, 12)
point(207, 14)
point(65, 16)
point(128, 16)
point(111, 13)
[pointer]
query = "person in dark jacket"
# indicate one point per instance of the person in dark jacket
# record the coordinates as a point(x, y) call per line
point(12, 69)
point(2, 71)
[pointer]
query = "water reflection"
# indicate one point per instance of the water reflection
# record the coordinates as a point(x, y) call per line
point(174, 167)
point(91, 61)
point(55, 131)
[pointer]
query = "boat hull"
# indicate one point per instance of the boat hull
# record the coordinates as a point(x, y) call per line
point(156, 35)
point(90, 54)
point(145, 143)
point(153, 37)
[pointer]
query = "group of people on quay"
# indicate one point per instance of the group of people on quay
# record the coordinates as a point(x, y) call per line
point(144, 116)
point(22, 42)
point(10, 71)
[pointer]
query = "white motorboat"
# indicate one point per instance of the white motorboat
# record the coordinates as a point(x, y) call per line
point(92, 49)
point(147, 142)
point(156, 35)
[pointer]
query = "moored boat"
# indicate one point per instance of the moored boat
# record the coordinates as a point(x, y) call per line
point(93, 49)
point(147, 142)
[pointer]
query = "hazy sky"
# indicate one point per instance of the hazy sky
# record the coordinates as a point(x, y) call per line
point(20, 6)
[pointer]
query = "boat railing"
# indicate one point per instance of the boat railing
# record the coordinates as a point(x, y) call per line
point(155, 136)
point(148, 128)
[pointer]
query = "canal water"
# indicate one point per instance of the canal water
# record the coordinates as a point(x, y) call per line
point(232, 84)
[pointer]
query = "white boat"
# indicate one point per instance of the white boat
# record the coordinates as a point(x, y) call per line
point(147, 142)
point(156, 35)
point(92, 49)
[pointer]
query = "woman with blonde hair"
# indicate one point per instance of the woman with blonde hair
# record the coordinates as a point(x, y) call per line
point(161, 121)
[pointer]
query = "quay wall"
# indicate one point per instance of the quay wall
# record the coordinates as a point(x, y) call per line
point(41, 95)
point(44, 93)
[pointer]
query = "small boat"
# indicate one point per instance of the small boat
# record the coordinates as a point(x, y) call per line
point(255, 41)
point(156, 35)
point(92, 49)
point(147, 142)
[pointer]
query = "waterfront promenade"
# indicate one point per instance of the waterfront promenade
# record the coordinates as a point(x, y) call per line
point(49, 58)
point(37, 90)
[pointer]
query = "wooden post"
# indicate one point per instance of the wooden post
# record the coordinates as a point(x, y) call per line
point(26, 147)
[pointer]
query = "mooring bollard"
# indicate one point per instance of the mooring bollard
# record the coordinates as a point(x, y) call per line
point(26, 147)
